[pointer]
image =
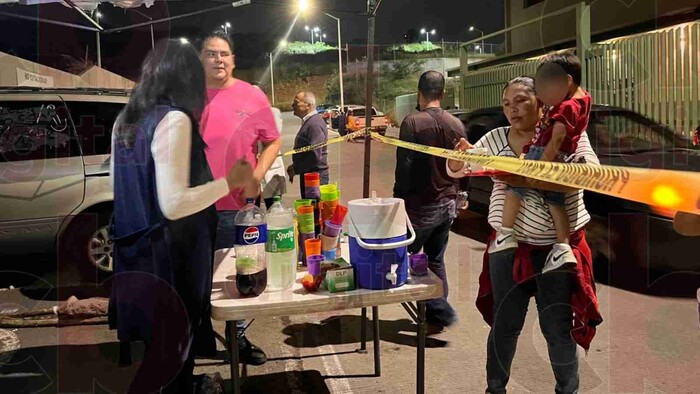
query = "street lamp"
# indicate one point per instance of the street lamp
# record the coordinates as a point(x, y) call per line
point(303, 7)
point(427, 33)
point(311, 31)
point(226, 27)
point(472, 28)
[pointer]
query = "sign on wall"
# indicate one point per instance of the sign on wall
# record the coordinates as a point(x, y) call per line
point(28, 78)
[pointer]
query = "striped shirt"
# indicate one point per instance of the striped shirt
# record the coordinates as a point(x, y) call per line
point(534, 223)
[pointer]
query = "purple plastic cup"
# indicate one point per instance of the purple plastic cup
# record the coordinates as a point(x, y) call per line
point(332, 230)
point(419, 264)
point(313, 264)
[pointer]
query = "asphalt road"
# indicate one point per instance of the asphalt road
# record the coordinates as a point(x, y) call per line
point(647, 344)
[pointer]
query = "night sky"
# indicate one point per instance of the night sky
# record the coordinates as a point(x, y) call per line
point(256, 28)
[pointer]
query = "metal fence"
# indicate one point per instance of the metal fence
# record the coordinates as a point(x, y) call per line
point(654, 74)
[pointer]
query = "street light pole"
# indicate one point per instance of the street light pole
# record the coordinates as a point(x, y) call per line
point(340, 63)
point(153, 42)
point(472, 28)
point(99, 44)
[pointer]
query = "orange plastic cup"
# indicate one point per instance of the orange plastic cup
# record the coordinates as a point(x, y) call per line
point(305, 210)
point(312, 246)
point(328, 209)
point(312, 179)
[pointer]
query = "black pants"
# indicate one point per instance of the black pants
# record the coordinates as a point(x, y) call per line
point(510, 301)
point(433, 241)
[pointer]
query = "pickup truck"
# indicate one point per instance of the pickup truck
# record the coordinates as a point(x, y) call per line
point(356, 120)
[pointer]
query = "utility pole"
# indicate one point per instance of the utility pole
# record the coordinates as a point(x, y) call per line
point(369, 78)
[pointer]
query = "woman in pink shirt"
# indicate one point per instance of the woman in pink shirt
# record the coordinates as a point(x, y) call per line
point(237, 116)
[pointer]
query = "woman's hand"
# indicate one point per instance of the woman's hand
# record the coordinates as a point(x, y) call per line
point(240, 175)
point(461, 146)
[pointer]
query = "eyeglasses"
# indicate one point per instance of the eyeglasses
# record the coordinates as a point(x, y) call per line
point(213, 54)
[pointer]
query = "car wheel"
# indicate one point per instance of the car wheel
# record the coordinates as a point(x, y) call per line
point(87, 247)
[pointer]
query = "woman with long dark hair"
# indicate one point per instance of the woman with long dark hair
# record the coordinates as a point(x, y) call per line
point(164, 220)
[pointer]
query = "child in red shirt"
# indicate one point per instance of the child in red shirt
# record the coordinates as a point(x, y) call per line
point(567, 109)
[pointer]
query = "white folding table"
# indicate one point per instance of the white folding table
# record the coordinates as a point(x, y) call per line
point(227, 305)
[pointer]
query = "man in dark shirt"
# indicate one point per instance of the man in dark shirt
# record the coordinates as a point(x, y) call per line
point(422, 182)
point(313, 131)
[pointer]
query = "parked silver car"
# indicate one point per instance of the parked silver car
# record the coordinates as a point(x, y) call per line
point(55, 189)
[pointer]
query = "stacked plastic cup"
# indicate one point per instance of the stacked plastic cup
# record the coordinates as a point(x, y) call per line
point(330, 197)
point(305, 220)
point(312, 183)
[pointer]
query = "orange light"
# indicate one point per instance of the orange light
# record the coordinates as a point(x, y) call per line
point(666, 196)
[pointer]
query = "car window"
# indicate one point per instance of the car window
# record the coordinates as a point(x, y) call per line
point(358, 112)
point(479, 124)
point(628, 132)
point(93, 125)
point(35, 131)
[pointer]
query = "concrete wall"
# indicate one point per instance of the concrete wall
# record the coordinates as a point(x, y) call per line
point(606, 15)
point(99, 77)
point(15, 71)
point(19, 72)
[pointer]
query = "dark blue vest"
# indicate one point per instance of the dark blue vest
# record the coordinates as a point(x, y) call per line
point(162, 269)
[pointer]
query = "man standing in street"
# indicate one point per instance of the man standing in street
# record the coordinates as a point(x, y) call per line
point(429, 193)
point(237, 117)
point(313, 131)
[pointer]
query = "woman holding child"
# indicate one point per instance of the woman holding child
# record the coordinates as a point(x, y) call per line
point(565, 296)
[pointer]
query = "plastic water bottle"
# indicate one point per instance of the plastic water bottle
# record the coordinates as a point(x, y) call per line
point(280, 247)
point(251, 236)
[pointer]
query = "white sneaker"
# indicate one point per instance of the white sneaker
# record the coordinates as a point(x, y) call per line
point(560, 255)
point(504, 240)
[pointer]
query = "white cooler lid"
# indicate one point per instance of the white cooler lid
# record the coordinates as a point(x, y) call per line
point(377, 218)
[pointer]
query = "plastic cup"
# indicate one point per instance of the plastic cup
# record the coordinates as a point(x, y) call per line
point(313, 263)
point(312, 179)
point(327, 209)
point(301, 203)
point(328, 243)
point(312, 246)
point(302, 248)
point(330, 254)
point(330, 192)
point(339, 214)
point(419, 264)
point(329, 187)
point(330, 196)
point(312, 192)
point(331, 229)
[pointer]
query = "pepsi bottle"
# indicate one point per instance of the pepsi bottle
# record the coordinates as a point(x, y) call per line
point(251, 235)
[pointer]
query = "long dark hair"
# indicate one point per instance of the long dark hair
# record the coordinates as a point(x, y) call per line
point(171, 74)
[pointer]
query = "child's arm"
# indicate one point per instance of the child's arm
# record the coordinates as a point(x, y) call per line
point(552, 148)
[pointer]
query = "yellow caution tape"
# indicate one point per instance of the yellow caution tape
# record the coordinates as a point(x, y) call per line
point(676, 190)
point(309, 148)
